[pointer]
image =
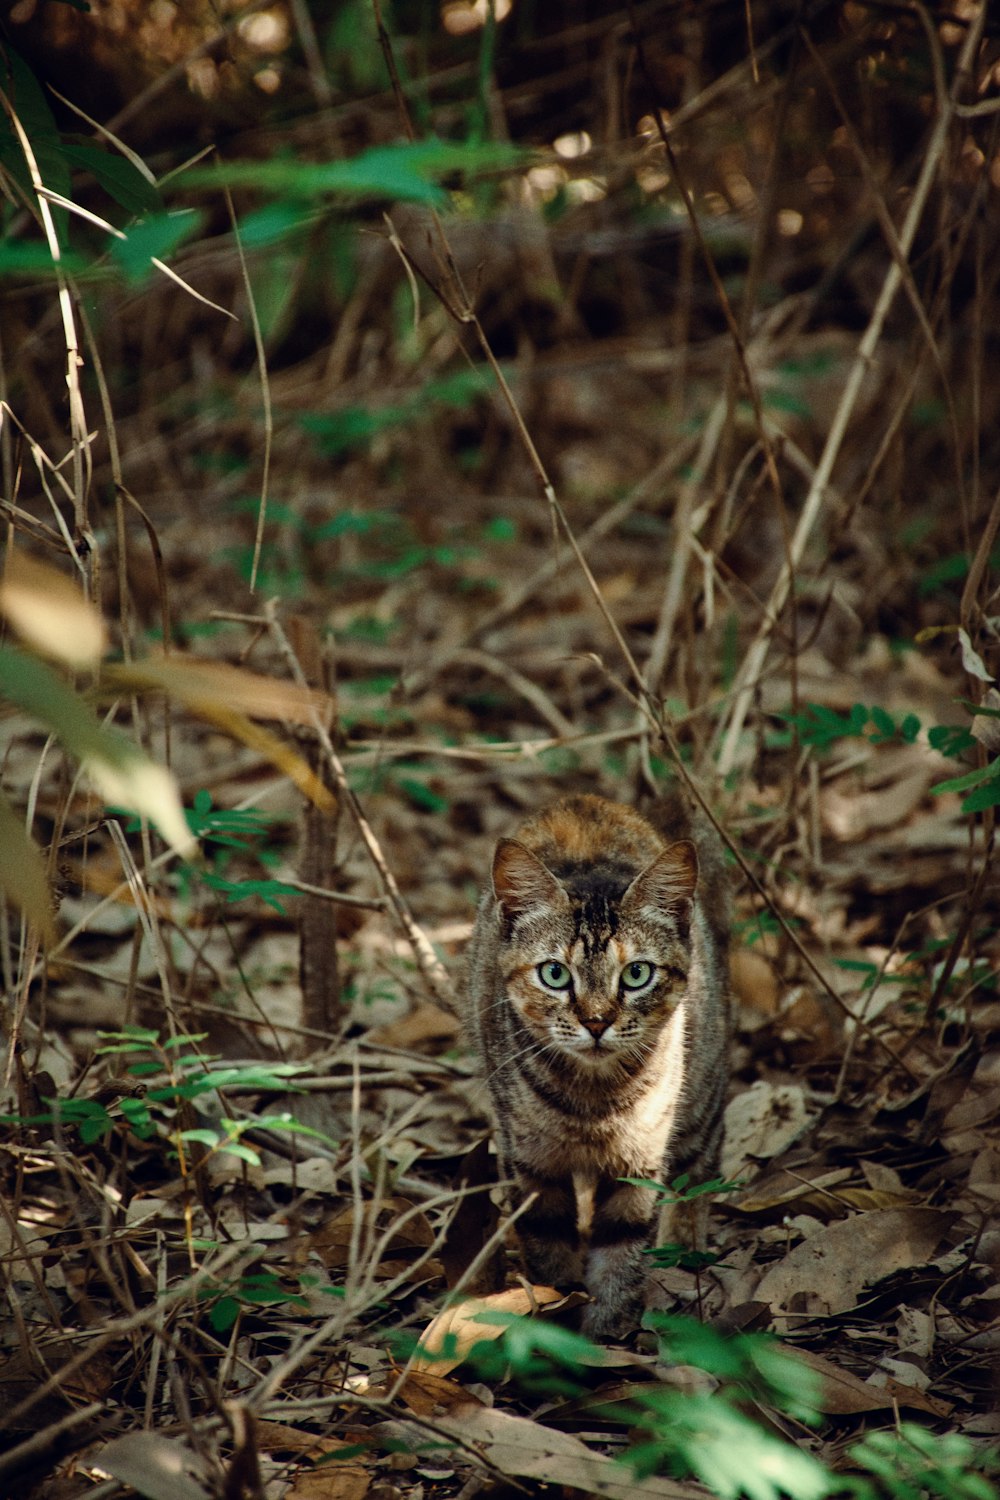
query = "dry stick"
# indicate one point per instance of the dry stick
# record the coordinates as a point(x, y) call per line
point(750, 671)
point(77, 416)
point(265, 388)
point(430, 965)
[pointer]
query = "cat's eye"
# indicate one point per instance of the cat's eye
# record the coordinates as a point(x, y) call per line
point(554, 975)
point(636, 975)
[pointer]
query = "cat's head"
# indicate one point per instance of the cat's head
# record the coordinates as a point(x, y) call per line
point(595, 962)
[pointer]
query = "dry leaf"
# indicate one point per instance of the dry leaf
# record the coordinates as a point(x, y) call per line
point(49, 612)
point(754, 981)
point(844, 1394)
point(333, 1239)
point(762, 1122)
point(828, 1272)
point(425, 1023)
point(427, 1394)
point(459, 1321)
point(523, 1449)
point(158, 1467)
point(217, 685)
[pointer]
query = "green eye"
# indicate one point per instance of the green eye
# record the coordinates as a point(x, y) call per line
point(554, 975)
point(636, 975)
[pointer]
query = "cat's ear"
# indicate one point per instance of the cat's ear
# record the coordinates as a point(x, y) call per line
point(669, 880)
point(521, 883)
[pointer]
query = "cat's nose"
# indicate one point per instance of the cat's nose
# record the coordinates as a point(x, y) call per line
point(597, 1025)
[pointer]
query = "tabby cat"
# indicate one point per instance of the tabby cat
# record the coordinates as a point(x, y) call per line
point(598, 1000)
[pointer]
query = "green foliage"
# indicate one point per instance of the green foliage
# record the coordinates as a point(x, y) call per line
point(157, 1109)
point(681, 1189)
point(912, 1463)
point(712, 1436)
point(252, 1289)
point(408, 172)
point(821, 727)
point(153, 238)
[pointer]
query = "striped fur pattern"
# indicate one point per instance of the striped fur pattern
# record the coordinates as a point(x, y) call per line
point(598, 1003)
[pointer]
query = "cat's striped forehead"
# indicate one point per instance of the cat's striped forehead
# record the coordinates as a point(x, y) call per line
point(582, 830)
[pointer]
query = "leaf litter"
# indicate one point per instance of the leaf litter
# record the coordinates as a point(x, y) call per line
point(191, 1282)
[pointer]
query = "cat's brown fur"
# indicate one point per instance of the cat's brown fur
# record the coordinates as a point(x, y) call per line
point(595, 1070)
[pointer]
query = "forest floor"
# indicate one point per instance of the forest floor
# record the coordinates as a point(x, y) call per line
point(268, 1164)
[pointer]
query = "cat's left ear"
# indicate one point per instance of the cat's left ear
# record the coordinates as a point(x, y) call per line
point(669, 880)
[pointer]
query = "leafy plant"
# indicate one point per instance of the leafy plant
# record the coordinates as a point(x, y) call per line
point(712, 1436)
point(157, 1110)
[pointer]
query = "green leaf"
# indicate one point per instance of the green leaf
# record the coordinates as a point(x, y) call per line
point(950, 739)
point(36, 118)
point(223, 1314)
point(120, 771)
point(209, 1138)
point(982, 798)
point(119, 178)
point(406, 172)
point(970, 779)
point(20, 259)
point(157, 236)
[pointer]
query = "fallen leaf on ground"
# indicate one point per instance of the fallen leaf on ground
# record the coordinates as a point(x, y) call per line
point(844, 1394)
point(426, 1394)
point(520, 1448)
point(460, 1322)
point(160, 1468)
point(762, 1122)
point(828, 1272)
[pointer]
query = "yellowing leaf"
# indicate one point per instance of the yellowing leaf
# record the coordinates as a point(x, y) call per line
point(207, 685)
point(276, 751)
point(459, 1321)
point(50, 613)
point(147, 789)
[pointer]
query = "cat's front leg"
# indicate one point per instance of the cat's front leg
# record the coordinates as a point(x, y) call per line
point(622, 1228)
point(547, 1229)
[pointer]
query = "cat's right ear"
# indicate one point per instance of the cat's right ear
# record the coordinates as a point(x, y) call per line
point(521, 883)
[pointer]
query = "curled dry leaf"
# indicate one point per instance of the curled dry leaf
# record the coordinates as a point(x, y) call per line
point(460, 1322)
point(50, 613)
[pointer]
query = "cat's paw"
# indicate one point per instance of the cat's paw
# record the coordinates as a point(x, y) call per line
point(610, 1323)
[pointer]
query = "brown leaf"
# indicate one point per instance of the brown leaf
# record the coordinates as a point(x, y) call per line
point(214, 685)
point(334, 1237)
point(427, 1394)
point(425, 1023)
point(762, 1121)
point(343, 1481)
point(828, 1272)
point(524, 1449)
point(49, 612)
point(844, 1394)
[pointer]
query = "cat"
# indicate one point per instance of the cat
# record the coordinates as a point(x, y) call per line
point(598, 1003)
